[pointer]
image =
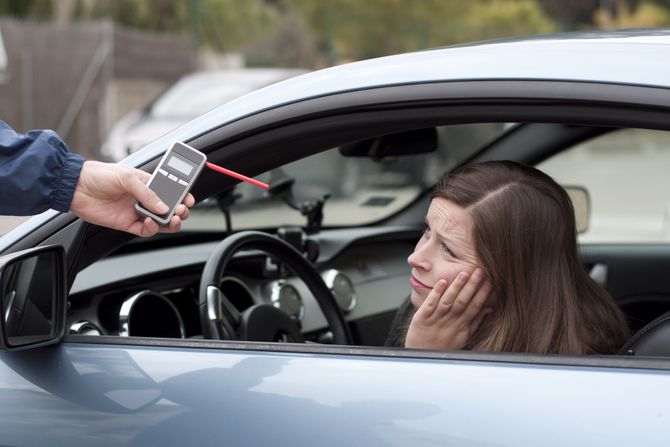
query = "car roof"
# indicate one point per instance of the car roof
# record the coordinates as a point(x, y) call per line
point(632, 57)
point(252, 75)
point(624, 57)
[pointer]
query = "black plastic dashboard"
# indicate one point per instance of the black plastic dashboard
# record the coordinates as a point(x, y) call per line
point(154, 293)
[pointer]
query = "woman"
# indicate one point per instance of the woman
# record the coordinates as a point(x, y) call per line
point(497, 269)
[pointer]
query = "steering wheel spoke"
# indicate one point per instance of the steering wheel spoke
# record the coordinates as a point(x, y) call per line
point(220, 319)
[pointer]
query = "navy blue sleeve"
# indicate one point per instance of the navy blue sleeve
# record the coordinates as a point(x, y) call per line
point(37, 172)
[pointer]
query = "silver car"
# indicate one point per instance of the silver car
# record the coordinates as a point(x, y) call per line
point(190, 97)
point(161, 341)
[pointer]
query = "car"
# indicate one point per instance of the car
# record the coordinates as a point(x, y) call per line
point(264, 320)
point(183, 101)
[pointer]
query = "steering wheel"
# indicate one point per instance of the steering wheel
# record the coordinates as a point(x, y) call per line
point(220, 320)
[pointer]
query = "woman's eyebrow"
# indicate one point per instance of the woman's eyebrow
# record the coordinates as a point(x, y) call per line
point(444, 238)
point(442, 235)
point(449, 244)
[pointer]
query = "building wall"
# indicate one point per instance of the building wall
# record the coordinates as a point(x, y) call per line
point(79, 78)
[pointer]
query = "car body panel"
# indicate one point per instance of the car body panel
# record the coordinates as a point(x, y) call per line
point(114, 395)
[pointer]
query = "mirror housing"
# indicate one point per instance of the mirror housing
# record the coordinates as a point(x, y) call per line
point(33, 294)
point(581, 202)
point(411, 142)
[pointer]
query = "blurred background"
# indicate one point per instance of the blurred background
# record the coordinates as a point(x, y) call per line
point(105, 74)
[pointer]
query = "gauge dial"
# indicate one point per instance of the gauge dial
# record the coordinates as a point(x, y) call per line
point(342, 288)
point(84, 328)
point(286, 298)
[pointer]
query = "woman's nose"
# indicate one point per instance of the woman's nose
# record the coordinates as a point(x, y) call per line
point(418, 258)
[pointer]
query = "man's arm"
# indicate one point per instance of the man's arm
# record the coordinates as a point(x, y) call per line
point(37, 172)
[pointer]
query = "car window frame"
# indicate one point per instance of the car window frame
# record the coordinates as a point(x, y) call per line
point(448, 102)
point(625, 362)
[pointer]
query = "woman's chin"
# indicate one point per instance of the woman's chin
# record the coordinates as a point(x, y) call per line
point(416, 299)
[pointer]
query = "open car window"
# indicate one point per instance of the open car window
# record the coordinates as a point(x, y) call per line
point(626, 175)
point(361, 190)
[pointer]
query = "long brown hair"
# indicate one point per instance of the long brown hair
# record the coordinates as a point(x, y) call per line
point(526, 241)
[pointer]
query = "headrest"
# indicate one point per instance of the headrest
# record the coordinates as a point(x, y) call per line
point(653, 339)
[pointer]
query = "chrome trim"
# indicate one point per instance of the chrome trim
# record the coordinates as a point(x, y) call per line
point(8, 305)
point(127, 308)
point(214, 312)
point(330, 277)
point(281, 286)
point(79, 327)
point(17, 233)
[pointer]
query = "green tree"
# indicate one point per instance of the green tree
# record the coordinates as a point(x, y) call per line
point(154, 15)
point(222, 25)
point(229, 25)
point(350, 29)
point(645, 14)
point(502, 18)
point(35, 9)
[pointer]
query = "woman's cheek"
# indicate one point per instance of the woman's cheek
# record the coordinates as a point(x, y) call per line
point(449, 271)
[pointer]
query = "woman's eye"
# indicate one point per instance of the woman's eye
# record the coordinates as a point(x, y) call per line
point(446, 250)
point(426, 231)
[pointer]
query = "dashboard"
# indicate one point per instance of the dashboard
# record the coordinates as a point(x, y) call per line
point(154, 293)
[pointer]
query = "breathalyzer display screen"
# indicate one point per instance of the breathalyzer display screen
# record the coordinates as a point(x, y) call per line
point(180, 165)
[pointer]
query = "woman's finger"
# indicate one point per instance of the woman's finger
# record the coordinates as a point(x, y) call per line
point(432, 300)
point(478, 301)
point(449, 297)
point(468, 291)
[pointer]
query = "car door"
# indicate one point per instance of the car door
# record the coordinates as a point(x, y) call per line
point(85, 392)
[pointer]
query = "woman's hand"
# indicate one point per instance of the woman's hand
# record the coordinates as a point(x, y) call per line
point(450, 315)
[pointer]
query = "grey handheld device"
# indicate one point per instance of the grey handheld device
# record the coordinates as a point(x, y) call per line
point(173, 178)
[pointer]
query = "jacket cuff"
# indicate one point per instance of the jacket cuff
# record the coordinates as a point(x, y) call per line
point(71, 166)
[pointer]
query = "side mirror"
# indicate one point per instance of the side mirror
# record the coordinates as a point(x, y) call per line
point(581, 202)
point(32, 297)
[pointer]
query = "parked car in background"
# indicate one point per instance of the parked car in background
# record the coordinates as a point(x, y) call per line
point(188, 98)
point(164, 341)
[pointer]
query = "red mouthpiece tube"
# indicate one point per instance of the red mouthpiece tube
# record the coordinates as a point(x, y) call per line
point(234, 174)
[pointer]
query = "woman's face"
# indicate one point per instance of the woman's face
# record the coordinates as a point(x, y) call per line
point(445, 249)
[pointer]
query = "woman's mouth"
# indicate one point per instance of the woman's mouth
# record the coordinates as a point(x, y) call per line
point(416, 284)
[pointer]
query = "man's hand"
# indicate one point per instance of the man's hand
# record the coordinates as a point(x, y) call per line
point(106, 194)
point(449, 316)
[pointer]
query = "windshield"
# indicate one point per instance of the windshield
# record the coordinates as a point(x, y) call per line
point(361, 190)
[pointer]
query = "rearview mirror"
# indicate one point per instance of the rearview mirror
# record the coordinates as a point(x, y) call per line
point(411, 142)
point(581, 202)
point(32, 297)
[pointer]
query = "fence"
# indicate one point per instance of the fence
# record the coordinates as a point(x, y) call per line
point(80, 78)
